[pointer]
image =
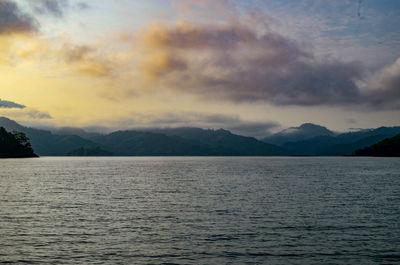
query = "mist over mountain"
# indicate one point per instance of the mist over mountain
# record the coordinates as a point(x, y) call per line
point(307, 139)
point(303, 132)
point(163, 142)
point(185, 141)
point(75, 131)
point(221, 141)
point(10, 125)
point(310, 139)
point(46, 143)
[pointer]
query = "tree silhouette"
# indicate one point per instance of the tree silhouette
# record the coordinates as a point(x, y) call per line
point(14, 145)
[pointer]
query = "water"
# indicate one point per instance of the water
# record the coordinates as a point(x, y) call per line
point(200, 210)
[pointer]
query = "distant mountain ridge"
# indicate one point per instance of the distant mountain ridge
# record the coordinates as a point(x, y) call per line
point(47, 144)
point(222, 141)
point(168, 142)
point(386, 147)
point(327, 143)
point(162, 142)
point(307, 139)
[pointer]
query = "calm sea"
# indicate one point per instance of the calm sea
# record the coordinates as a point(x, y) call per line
point(200, 210)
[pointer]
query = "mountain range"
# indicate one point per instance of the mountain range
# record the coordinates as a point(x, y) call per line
point(307, 139)
point(173, 142)
point(314, 140)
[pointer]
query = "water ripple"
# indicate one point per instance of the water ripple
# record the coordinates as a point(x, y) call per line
point(200, 210)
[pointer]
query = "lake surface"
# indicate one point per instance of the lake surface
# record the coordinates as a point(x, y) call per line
point(200, 210)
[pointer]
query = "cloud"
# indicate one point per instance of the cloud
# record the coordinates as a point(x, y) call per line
point(10, 105)
point(53, 7)
point(258, 130)
point(7, 108)
point(56, 8)
point(86, 59)
point(13, 20)
point(27, 113)
point(215, 121)
point(234, 62)
point(351, 121)
point(36, 114)
point(82, 5)
point(237, 62)
point(389, 79)
point(222, 55)
point(190, 36)
point(384, 85)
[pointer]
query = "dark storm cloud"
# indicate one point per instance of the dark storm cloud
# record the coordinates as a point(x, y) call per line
point(237, 63)
point(193, 37)
point(13, 20)
point(298, 83)
point(10, 105)
point(384, 89)
point(315, 83)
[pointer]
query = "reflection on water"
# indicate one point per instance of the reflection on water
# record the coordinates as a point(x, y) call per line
point(200, 210)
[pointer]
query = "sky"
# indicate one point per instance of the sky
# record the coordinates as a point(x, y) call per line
point(251, 66)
